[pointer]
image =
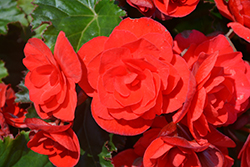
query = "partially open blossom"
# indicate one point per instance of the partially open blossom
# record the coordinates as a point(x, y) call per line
point(133, 76)
point(51, 78)
point(244, 154)
point(237, 11)
point(13, 114)
point(220, 85)
point(167, 8)
point(169, 144)
point(146, 7)
point(60, 143)
point(174, 146)
point(176, 8)
point(134, 157)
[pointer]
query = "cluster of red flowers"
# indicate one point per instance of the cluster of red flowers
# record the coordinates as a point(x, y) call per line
point(137, 76)
point(175, 92)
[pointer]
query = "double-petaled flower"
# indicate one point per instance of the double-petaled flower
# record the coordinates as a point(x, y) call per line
point(51, 78)
point(219, 87)
point(237, 11)
point(133, 76)
point(59, 142)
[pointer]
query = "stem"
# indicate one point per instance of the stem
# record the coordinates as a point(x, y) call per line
point(229, 35)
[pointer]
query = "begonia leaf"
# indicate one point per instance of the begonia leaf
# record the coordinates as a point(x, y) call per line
point(26, 5)
point(15, 153)
point(10, 13)
point(81, 20)
point(105, 155)
point(3, 71)
point(23, 94)
point(27, 8)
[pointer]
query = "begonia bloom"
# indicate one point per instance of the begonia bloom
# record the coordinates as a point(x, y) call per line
point(51, 78)
point(176, 8)
point(146, 7)
point(237, 11)
point(164, 9)
point(60, 143)
point(221, 85)
point(133, 76)
point(174, 146)
point(13, 114)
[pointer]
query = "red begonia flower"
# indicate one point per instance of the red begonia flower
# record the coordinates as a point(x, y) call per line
point(174, 147)
point(176, 8)
point(133, 76)
point(164, 9)
point(176, 151)
point(237, 11)
point(13, 114)
point(244, 154)
point(146, 7)
point(222, 86)
point(4, 128)
point(133, 157)
point(60, 143)
point(51, 79)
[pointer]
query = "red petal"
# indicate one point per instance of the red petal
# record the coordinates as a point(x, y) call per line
point(123, 127)
point(39, 142)
point(65, 159)
point(240, 30)
point(38, 124)
point(118, 38)
point(3, 89)
point(40, 76)
point(211, 157)
point(67, 139)
point(205, 67)
point(125, 158)
point(223, 8)
point(66, 111)
point(37, 54)
point(186, 38)
point(189, 98)
point(143, 26)
point(218, 43)
point(218, 139)
point(87, 52)
point(91, 49)
point(175, 98)
point(67, 59)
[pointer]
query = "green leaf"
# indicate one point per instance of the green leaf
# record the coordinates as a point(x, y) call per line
point(9, 13)
point(81, 20)
point(3, 71)
point(32, 112)
point(27, 7)
point(105, 156)
point(23, 94)
point(15, 153)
